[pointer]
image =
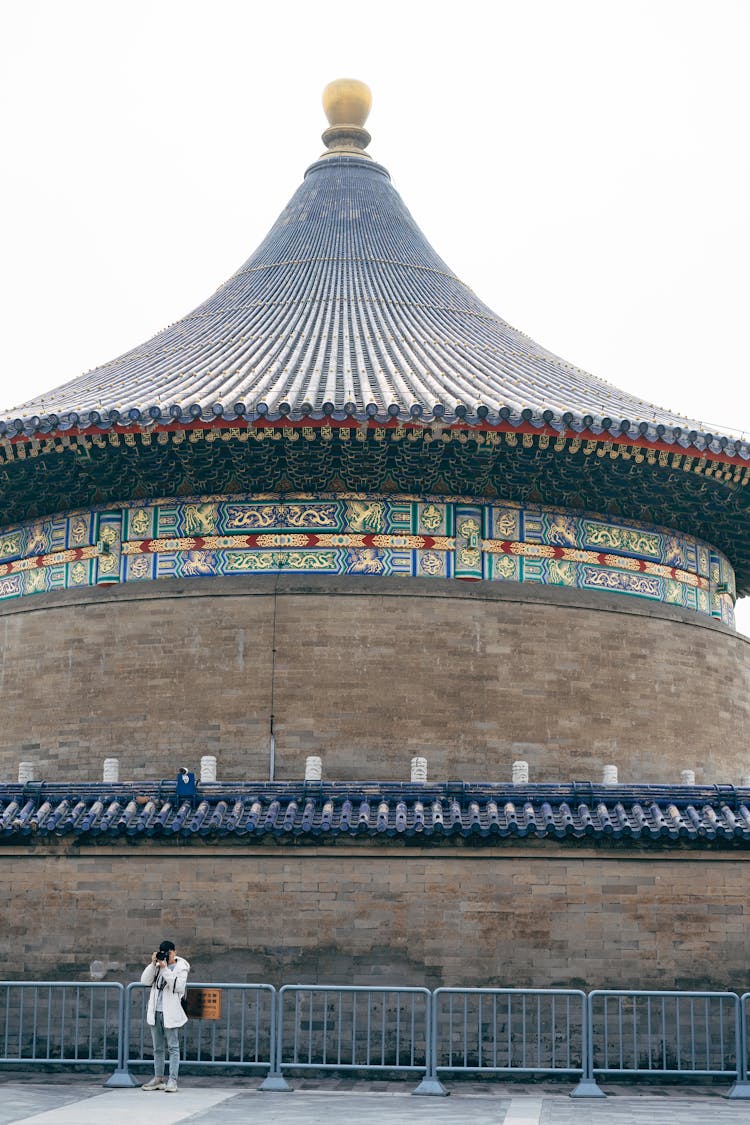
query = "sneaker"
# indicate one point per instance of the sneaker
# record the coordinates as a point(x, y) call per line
point(171, 1086)
point(154, 1084)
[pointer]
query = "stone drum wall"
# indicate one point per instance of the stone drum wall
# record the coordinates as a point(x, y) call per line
point(367, 672)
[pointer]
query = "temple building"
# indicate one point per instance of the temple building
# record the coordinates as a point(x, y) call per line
point(444, 624)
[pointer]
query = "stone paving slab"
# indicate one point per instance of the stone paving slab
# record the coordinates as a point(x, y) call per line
point(228, 1102)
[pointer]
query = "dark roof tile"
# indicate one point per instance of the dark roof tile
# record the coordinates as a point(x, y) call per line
point(289, 810)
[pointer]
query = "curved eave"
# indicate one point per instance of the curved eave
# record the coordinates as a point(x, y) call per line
point(699, 492)
point(658, 436)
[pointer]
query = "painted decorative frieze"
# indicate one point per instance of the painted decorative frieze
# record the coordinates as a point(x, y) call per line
point(421, 537)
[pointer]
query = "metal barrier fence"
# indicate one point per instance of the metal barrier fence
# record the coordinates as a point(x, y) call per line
point(696, 1034)
point(353, 1028)
point(741, 1088)
point(625, 1033)
point(65, 1023)
point(664, 1033)
point(502, 1030)
point(243, 1036)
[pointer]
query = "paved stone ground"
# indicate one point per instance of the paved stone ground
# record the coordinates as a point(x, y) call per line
point(80, 1100)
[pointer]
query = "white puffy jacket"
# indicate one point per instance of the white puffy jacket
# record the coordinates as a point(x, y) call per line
point(175, 978)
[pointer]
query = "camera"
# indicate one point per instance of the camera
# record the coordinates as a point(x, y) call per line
point(162, 954)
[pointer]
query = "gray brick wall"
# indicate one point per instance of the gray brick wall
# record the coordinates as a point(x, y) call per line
point(368, 673)
point(545, 915)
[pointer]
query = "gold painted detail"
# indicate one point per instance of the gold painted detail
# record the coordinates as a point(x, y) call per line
point(216, 542)
point(108, 535)
point(58, 557)
point(10, 544)
point(200, 519)
point(307, 515)
point(55, 558)
point(533, 550)
point(398, 542)
point(366, 516)
point(157, 546)
point(368, 561)
point(37, 541)
point(672, 592)
point(250, 560)
point(282, 540)
point(621, 538)
point(252, 517)
point(562, 531)
point(507, 523)
point(506, 567)
point(35, 582)
point(140, 522)
point(591, 558)
point(244, 561)
point(469, 530)
point(338, 540)
point(224, 542)
point(199, 563)
point(562, 573)
point(431, 518)
point(338, 533)
point(470, 557)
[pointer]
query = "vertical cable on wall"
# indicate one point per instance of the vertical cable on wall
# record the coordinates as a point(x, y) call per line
point(272, 736)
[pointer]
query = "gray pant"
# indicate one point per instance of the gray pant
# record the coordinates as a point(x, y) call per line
point(160, 1033)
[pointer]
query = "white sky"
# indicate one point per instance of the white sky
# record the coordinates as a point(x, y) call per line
point(583, 164)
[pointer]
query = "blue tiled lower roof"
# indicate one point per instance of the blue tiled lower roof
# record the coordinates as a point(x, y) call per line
point(298, 811)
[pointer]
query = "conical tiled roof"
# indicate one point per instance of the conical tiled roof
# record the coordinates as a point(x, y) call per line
point(345, 309)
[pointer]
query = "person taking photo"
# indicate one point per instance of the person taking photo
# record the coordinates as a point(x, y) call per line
point(167, 974)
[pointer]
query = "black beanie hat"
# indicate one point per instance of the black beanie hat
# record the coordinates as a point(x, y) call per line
point(166, 946)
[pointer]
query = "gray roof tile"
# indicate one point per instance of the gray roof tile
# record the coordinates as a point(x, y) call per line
point(344, 309)
point(285, 812)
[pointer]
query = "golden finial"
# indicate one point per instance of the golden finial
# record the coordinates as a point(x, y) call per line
point(346, 103)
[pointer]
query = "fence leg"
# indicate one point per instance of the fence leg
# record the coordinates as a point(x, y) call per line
point(431, 1086)
point(587, 1087)
point(121, 1079)
point(275, 1082)
point(741, 1087)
